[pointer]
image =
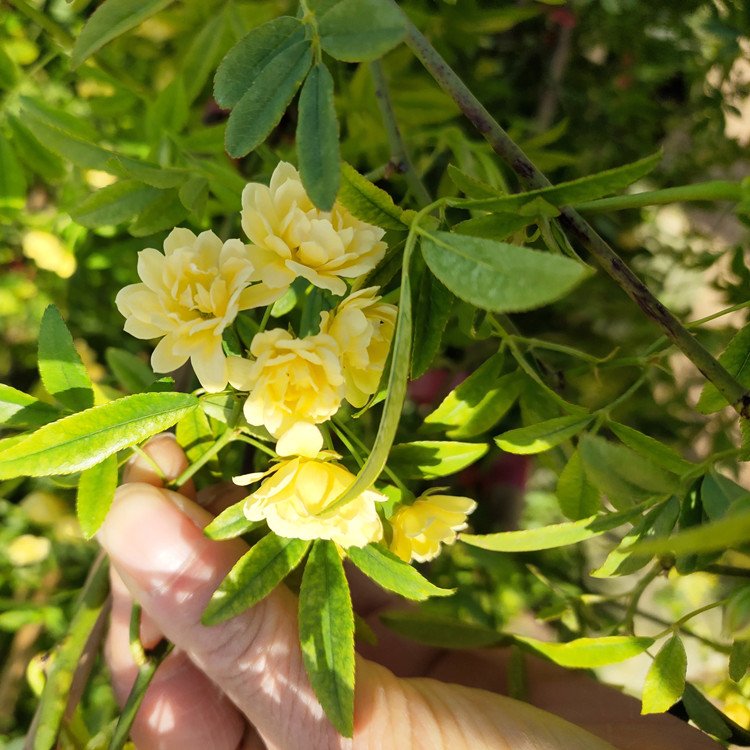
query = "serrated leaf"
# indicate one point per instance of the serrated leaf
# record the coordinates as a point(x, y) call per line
point(96, 490)
point(587, 653)
point(360, 30)
point(60, 367)
point(193, 194)
point(163, 212)
point(739, 660)
point(665, 680)
point(21, 411)
point(551, 536)
point(658, 453)
point(494, 226)
point(704, 714)
point(262, 106)
point(471, 186)
point(255, 52)
point(621, 474)
point(230, 523)
point(429, 459)
point(368, 202)
point(542, 436)
point(578, 498)
point(326, 631)
point(573, 192)
point(255, 575)
point(441, 631)
point(111, 19)
point(393, 574)
point(318, 138)
point(194, 434)
point(82, 440)
point(114, 204)
point(477, 404)
point(497, 276)
point(719, 493)
point(736, 361)
point(434, 307)
point(131, 372)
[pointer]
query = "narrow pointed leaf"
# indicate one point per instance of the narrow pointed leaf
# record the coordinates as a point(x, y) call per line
point(255, 575)
point(433, 311)
point(665, 680)
point(82, 440)
point(540, 437)
point(368, 202)
point(131, 372)
point(587, 653)
point(441, 631)
point(428, 459)
point(326, 631)
point(62, 371)
point(654, 450)
point(736, 360)
point(230, 523)
point(393, 574)
point(318, 138)
point(19, 410)
point(578, 498)
point(96, 490)
point(497, 276)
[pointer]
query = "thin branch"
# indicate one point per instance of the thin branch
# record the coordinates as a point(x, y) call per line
point(575, 225)
point(400, 158)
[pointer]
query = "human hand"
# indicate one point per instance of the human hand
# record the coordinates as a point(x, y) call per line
point(242, 684)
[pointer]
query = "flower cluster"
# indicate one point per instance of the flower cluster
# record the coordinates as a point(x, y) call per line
point(189, 297)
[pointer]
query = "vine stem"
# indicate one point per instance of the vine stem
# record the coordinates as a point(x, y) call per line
point(221, 443)
point(574, 224)
point(400, 157)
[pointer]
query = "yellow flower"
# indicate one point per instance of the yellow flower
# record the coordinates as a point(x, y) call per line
point(292, 238)
point(44, 508)
point(49, 253)
point(419, 529)
point(28, 549)
point(363, 328)
point(292, 382)
point(293, 500)
point(189, 295)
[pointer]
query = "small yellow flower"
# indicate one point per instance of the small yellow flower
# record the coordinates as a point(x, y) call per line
point(189, 295)
point(293, 500)
point(44, 508)
point(363, 328)
point(49, 253)
point(28, 549)
point(292, 238)
point(420, 528)
point(291, 382)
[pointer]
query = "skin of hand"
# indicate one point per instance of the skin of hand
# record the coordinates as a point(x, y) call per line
point(241, 685)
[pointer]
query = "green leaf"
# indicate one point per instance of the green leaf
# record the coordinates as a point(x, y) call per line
point(434, 307)
point(551, 536)
point(162, 213)
point(193, 194)
point(497, 276)
point(621, 474)
point(736, 360)
point(131, 372)
point(111, 19)
point(587, 653)
point(471, 186)
point(441, 631)
point(9, 72)
point(19, 410)
point(230, 523)
point(202, 56)
point(114, 204)
point(12, 178)
point(537, 438)
point(704, 714)
point(393, 574)
point(168, 112)
point(654, 450)
point(494, 226)
point(255, 575)
point(360, 30)
point(368, 202)
point(253, 54)
point(729, 532)
point(429, 459)
point(38, 158)
point(261, 107)
point(194, 434)
point(477, 404)
point(573, 192)
point(82, 440)
point(326, 633)
point(318, 138)
point(739, 660)
point(665, 680)
point(719, 493)
point(577, 497)
point(96, 490)
point(60, 366)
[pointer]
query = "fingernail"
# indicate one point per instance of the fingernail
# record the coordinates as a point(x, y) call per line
point(148, 535)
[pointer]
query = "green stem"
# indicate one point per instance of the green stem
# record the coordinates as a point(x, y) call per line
point(576, 226)
point(551, 346)
point(221, 443)
point(716, 190)
point(677, 625)
point(400, 158)
point(637, 593)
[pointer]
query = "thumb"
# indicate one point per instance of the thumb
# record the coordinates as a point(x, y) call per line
point(155, 541)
